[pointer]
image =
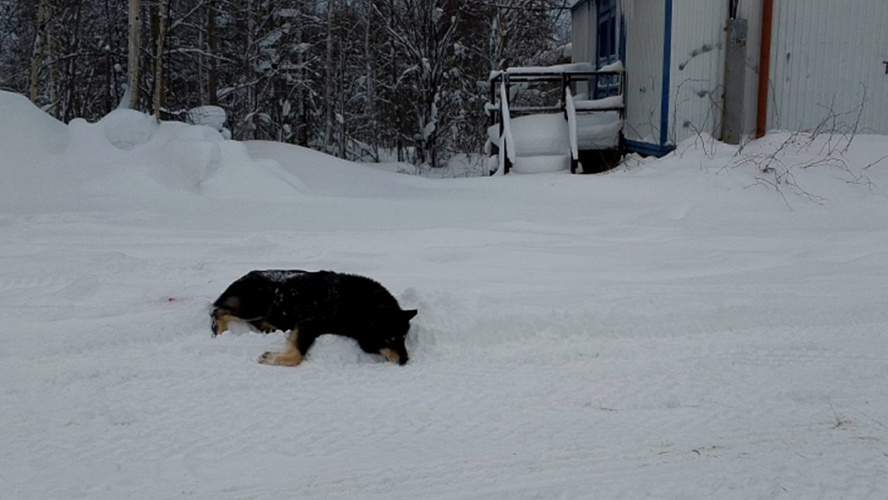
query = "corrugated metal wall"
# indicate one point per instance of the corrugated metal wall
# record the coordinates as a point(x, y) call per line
point(698, 55)
point(827, 61)
point(751, 10)
point(825, 57)
point(583, 37)
point(644, 69)
point(827, 65)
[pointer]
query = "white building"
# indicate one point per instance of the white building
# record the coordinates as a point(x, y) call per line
point(826, 63)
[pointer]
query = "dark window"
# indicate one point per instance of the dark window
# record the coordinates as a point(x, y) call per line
point(607, 52)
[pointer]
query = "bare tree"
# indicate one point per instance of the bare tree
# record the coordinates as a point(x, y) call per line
point(134, 47)
point(424, 31)
point(37, 52)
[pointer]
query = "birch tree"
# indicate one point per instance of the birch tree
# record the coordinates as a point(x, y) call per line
point(161, 14)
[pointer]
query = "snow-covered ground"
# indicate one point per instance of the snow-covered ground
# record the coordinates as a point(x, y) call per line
point(678, 328)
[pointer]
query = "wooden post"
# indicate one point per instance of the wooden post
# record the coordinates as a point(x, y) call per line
point(735, 80)
point(761, 122)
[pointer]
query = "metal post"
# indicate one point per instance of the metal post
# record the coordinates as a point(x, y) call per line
point(761, 124)
point(735, 81)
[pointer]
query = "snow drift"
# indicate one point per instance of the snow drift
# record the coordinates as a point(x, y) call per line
point(710, 324)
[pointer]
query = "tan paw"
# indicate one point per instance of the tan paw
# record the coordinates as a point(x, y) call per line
point(287, 358)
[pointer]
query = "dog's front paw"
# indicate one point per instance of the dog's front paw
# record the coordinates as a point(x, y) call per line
point(286, 358)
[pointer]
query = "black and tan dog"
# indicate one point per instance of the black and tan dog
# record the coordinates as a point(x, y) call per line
point(310, 304)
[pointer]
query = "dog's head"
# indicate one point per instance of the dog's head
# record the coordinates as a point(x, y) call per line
point(392, 343)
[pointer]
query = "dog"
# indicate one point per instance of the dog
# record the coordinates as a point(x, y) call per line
point(309, 304)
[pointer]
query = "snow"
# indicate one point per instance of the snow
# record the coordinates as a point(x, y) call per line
point(689, 327)
point(597, 131)
point(607, 103)
point(507, 150)
point(547, 136)
point(614, 66)
point(215, 117)
point(556, 68)
point(570, 111)
point(535, 135)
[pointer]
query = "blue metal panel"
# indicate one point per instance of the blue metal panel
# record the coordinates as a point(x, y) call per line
point(667, 70)
point(577, 3)
point(606, 50)
point(648, 149)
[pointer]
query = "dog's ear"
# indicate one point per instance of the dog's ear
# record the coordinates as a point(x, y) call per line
point(409, 314)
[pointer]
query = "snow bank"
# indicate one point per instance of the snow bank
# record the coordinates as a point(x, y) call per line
point(126, 153)
point(695, 326)
point(32, 144)
point(27, 135)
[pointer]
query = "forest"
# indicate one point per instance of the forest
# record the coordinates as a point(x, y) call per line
point(365, 80)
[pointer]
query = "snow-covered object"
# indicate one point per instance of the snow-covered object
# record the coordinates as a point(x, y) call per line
point(612, 102)
point(548, 134)
point(614, 66)
point(558, 68)
point(536, 135)
point(541, 164)
point(571, 110)
point(540, 143)
point(589, 124)
point(507, 136)
point(211, 116)
point(598, 130)
point(567, 68)
point(124, 128)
